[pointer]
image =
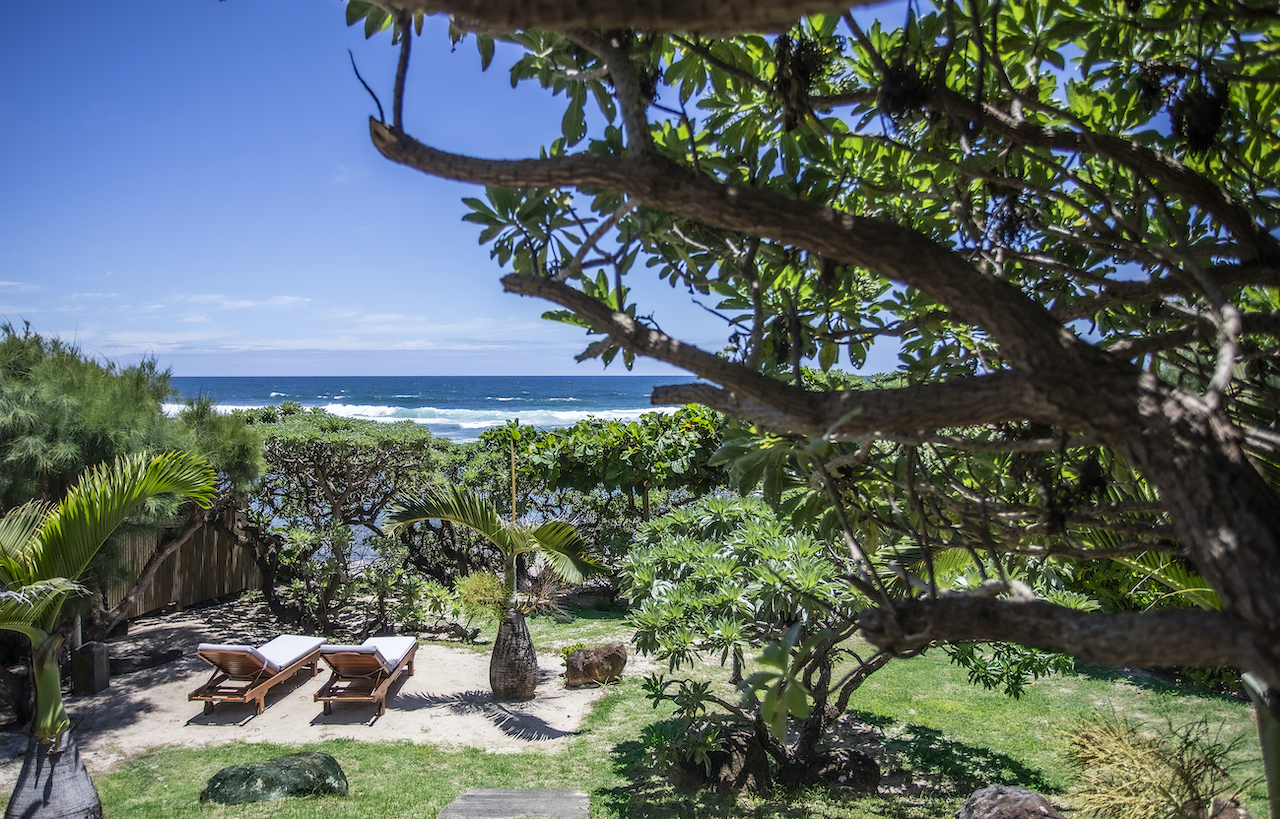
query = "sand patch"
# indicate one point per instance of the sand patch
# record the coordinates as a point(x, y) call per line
point(447, 702)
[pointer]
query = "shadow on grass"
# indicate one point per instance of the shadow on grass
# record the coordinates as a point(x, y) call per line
point(1158, 681)
point(952, 768)
point(948, 770)
point(612, 613)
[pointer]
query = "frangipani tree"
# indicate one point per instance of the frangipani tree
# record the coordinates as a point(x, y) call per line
point(44, 548)
point(513, 666)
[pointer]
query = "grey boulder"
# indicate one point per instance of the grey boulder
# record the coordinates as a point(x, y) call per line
point(292, 775)
point(1004, 802)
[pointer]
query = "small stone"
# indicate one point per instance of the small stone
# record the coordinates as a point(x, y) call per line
point(292, 775)
point(598, 665)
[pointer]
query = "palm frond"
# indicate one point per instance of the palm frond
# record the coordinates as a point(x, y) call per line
point(456, 504)
point(1174, 575)
point(564, 549)
point(18, 531)
point(24, 606)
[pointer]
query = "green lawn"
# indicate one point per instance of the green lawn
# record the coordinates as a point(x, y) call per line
point(937, 731)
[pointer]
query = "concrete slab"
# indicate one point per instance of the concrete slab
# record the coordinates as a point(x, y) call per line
point(502, 803)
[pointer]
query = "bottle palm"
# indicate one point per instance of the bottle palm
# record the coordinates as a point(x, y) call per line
point(513, 670)
point(44, 548)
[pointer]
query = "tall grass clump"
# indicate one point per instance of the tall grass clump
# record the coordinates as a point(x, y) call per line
point(1125, 772)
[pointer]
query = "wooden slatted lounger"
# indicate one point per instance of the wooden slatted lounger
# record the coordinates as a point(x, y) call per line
point(364, 673)
point(246, 674)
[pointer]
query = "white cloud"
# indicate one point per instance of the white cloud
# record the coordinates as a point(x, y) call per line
point(20, 287)
point(225, 303)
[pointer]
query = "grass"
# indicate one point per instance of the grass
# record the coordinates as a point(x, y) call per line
point(937, 731)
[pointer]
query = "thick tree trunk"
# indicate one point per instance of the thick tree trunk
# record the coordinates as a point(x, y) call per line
point(513, 666)
point(54, 784)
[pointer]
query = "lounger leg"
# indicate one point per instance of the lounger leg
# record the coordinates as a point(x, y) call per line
point(208, 706)
point(328, 708)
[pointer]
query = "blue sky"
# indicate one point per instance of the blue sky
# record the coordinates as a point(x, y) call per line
point(194, 180)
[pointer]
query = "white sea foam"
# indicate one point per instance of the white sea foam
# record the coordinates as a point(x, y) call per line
point(462, 424)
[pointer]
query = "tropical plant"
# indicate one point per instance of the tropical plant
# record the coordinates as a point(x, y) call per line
point(44, 548)
point(723, 578)
point(1183, 771)
point(513, 665)
point(63, 411)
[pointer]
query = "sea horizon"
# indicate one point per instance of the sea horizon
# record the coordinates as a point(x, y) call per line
point(457, 407)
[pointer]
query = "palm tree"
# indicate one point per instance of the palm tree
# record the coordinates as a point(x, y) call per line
point(513, 666)
point(43, 550)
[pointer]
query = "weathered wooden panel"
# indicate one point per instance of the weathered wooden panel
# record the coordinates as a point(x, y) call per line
point(207, 565)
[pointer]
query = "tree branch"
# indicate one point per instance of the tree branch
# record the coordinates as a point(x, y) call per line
point(1177, 637)
point(1170, 174)
point(857, 414)
point(1030, 337)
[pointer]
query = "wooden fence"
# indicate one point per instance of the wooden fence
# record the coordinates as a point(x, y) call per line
point(207, 565)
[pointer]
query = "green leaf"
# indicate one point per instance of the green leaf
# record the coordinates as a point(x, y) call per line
point(574, 124)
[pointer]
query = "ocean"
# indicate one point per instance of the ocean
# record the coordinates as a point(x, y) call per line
point(455, 407)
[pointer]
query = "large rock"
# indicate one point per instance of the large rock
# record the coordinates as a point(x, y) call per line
point(293, 775)
point(1004, 802)
point(600, 664)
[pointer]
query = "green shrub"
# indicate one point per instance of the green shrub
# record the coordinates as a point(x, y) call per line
point(482, 595)
point(1123, 772)
point(567, 650)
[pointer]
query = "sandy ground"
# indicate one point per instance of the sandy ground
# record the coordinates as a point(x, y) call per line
point(446, 702)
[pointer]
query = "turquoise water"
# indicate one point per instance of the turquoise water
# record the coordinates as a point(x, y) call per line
point(454, 407)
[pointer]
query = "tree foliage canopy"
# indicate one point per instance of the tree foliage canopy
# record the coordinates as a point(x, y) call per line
point(1065, 215)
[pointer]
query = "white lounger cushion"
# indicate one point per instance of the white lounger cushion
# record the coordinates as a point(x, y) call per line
point(389, 651)
point(287, 649)
point(250, 650)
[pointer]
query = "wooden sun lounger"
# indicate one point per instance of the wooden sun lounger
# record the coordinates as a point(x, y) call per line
point(246, 674)
point(365, 673)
